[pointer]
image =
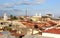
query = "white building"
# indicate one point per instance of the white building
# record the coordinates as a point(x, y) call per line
point(51, 35)
point(5, 17)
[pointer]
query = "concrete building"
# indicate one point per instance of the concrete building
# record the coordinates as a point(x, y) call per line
point(37, 17)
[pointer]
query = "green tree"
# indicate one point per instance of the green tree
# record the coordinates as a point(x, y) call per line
point(31, 20)
point(13, 17)
point(21, 18)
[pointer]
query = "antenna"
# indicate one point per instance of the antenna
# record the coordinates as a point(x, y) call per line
point(26, 12)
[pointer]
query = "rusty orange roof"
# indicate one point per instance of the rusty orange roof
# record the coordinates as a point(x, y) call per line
point(52, 23)
point(13, 31)
point(32, 24)
point(17, 34)
point(53, 30)
point(1, 34)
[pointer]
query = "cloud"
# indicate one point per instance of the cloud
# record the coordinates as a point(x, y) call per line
point(6, 5)
point(30, 2)
point(34, 2)
point(23, 2)
point(39, 1)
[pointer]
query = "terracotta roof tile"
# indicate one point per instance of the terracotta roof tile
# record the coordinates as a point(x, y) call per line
point(53, 30)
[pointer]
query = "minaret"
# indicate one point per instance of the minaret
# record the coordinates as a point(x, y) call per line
point(40, 14)
point(5, 17)
point(36, 14)
point(53, 15)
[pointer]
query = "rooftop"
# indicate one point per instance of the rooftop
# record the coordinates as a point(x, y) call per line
point(53, 30)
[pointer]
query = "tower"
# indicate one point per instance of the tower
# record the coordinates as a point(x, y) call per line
point(5, 17)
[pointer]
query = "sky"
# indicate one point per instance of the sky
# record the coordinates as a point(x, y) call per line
point(19, 7)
